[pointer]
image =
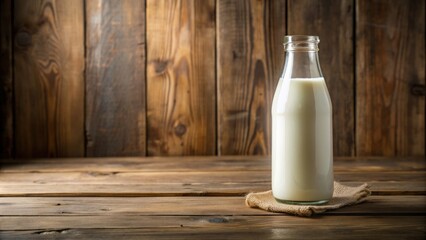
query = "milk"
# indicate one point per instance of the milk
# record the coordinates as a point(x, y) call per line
point(302, 154)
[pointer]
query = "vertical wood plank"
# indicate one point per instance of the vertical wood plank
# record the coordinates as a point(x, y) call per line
point(115, 78)
point(332, 21)
point(250, 60)
point(181, 77)
point(390, 58)
point(6, 84)
point(49, 86)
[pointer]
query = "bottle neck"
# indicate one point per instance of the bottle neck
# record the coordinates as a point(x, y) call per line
point(302, 64)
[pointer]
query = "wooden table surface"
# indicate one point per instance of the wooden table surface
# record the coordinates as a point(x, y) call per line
point(198, 198)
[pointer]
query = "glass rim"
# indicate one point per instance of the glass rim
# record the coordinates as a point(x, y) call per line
point(301, 38)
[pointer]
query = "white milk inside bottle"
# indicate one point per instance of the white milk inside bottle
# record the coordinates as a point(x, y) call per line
point(302, 152)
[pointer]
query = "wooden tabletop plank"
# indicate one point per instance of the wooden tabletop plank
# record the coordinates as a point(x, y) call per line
point(219, 223)
point(179, 189)
point(236, 183)
point(376, 231)
point(384, 232)
point(162, 198)
point(205, 163)
point(252, 177)
point(206, 206)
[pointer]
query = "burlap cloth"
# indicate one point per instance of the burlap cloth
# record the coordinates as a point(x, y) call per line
point(342, 196)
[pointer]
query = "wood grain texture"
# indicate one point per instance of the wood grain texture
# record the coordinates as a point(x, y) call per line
point(115, 78)
point(178, 178)
point(222, 227)
point(390, 57)
point(198, 183)
point(381, 227)
point(49, 86)
point(250, 58)
point(207, 206)
point(6, 82)
point(332, 21)
point(204, 163)
point(191, 176)
point(181, 77)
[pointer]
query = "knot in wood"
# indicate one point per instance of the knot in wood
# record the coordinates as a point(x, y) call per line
point(160, 66)
point(23, 39)
point(180, 129)
point(218, 220)
point(418, 90)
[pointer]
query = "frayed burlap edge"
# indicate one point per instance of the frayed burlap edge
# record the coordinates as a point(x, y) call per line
point(342, 196)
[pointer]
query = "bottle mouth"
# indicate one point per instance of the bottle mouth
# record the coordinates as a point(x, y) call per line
point(302, 43)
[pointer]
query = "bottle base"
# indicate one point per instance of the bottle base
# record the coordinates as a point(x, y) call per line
point(319, 202)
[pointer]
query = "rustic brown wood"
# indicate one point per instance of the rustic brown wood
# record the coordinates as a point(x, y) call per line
point(380, 228)
point(207, 206)
point(218, 222)
point(390, 58)
point(196, 177)
point(198, 183)
point(204, 163)
point(250, 58)
point(273, 227)
point(181, 77)
point(383, 231)
point(332, 21)
point(49, 85)
point(6, 83)
point(139, 204)
point(186, 80)
point(115, 78)
point(183, 189)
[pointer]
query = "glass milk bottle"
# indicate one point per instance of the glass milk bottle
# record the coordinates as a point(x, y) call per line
point(302, 144)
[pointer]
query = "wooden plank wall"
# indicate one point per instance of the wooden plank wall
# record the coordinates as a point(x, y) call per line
point(6, 81)
point(115, 78)
point(390, 59)
point(333, 22)
point(192, 77)
point(181, 98)
point(249, 61)
point(48, 78)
